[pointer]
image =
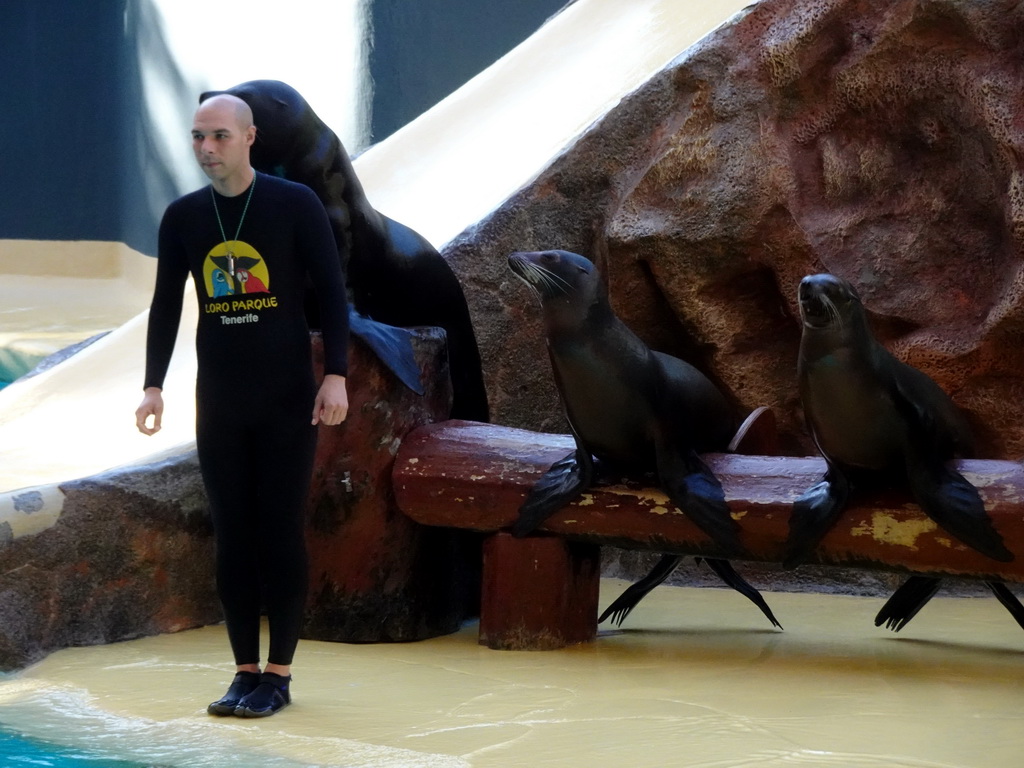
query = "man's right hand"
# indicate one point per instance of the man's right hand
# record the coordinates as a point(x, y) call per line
point(152, 405)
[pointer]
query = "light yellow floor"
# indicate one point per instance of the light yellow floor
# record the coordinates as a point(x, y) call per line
point(697, 678)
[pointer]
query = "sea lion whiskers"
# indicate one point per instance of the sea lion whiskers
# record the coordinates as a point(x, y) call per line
point(539, 275)
point(542, 281)
point(835, 317)
point(550, 279)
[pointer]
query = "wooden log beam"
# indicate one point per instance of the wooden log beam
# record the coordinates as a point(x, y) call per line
point(469, 475)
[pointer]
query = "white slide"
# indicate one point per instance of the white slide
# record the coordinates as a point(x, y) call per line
point(482, 143)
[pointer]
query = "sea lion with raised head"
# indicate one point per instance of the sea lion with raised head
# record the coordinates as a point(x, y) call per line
point(879, 421)
point(630, 409)
point(395, 276)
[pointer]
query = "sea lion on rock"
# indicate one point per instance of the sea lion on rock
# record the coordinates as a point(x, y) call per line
point(877, 420)
point(629, 409)
point(394, 275)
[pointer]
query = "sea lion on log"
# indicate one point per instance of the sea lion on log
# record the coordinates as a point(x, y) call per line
point(631, 409)
point(877, 420)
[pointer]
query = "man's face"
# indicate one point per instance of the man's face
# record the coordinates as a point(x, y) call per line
point(220, 144)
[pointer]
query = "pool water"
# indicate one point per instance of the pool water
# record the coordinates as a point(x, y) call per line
point(16, 749)
point(14, 364)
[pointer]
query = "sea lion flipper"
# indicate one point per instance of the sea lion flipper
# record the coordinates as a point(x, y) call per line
point(693, 487)
point(906, 601)
point(392, 345)
point(813, 515)
point(1008, 599)
point(628, 600)
point(935, 432)
point(951, 501)
point(564, 481)
point(728, 574)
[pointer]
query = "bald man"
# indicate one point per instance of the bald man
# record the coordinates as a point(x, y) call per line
point(250, 242)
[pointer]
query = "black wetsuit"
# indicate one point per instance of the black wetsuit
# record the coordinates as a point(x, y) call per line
point(255, 386)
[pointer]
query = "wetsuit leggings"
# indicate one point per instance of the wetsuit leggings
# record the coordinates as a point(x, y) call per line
point(256, 464)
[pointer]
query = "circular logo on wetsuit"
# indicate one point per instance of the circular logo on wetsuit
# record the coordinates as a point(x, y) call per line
point(235, 268)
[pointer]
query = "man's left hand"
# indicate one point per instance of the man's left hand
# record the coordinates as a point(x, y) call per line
point(331, 406)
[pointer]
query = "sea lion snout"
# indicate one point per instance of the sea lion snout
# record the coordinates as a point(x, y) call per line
point(824, 300)
point(519, 263)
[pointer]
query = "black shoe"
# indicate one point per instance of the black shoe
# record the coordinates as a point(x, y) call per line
point(267, 698)
point(244, 682)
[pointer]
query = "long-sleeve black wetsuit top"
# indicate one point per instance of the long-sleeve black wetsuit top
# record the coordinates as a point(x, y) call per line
point(252, 328)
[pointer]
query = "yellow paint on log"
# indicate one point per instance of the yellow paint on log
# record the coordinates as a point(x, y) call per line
point(886, 529)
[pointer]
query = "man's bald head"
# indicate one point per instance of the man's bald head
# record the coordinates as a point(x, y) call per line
point(225, 103)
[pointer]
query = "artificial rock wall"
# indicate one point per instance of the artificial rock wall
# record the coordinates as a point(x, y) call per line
point(881, 141)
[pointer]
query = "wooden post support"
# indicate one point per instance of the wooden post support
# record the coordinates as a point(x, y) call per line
point(539, 593)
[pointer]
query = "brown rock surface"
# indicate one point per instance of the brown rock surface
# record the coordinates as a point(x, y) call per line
point(130, 555)
point(883, 142)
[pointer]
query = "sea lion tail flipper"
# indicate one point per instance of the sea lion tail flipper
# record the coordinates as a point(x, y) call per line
point(951, 501)
point(693, 487)
point(392, 345)
point(728, 574)
point(628, 600)
point(814, 513)
point(564, 481)
point(1008, 599)
point(906, 601)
